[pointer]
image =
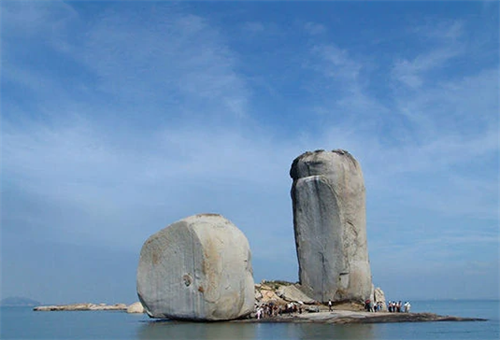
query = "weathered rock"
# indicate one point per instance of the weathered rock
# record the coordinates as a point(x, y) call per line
point(293, 294)
point(258, 294)
point(269, 295)
point(312, 309)
point(328, 196)
point(136, 307)
point(379, 296)
point(198, 268)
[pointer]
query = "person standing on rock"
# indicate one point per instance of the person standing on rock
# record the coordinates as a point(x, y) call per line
point(329, 305)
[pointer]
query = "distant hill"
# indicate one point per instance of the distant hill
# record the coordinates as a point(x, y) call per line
point(19, 301)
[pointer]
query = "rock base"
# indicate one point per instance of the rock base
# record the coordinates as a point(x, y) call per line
point(345, 317)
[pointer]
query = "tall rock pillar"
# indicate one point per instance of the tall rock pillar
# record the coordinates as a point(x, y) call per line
point(329, 215)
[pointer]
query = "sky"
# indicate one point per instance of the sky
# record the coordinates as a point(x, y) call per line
point(120, 118)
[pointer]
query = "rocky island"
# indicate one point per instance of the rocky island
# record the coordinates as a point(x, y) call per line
point(283, 293)
point(133, 308)
point(199, 268)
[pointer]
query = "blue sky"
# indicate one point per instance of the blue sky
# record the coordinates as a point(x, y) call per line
point(120, 118)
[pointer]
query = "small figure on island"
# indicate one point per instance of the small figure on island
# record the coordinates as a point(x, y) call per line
point(367, 305)
point(329, 305)
point(407, 307)
point(371, 306)
point(399, 307)
point(259, 313)
point(389, 306)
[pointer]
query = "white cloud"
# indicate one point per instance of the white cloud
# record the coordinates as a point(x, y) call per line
point(78, 168)
point(438, 132)
point(440, 31)
point(30, 18)
point(414, 72)
point(114, 180)
point(336, 63)
point(172, 57)
point(174, 68)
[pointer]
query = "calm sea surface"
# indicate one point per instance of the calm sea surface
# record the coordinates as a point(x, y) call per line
point(23, 323)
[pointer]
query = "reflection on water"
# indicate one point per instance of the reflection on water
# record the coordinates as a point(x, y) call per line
point(195, 330)
point(257, 331)
point(332, 331)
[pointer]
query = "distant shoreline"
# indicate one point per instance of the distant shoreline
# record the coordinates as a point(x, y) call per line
point(81, 307)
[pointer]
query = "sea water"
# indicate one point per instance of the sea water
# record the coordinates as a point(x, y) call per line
point(24, 323)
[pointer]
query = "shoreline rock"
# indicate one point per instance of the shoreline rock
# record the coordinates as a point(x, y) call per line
point(341, 314)
point(351, 317)
point(136, 307)
point(81, 307)
point(337, 316)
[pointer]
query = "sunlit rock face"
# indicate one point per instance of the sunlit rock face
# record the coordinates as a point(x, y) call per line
point(198, 268)
point(328, 197)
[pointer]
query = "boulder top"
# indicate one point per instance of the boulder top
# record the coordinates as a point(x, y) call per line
point(311, 158)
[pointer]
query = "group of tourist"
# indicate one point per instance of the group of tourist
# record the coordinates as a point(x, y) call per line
point(271, 309)
point(392, 306)
point(371, 307)
point(398, 307)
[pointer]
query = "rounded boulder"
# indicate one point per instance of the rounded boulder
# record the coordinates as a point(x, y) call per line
point(198, 268)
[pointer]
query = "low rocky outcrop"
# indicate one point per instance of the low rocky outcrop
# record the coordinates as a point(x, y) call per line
point(81, 307)
point(198, 268)
point(136, 307)
point(329, 214)
point(358, 317)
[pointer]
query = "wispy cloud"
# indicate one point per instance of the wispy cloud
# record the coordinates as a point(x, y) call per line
point(172, 58)
point(336, 63)
point(435, 130)
point(30, 19)
point(139, 117)
point(445, 44)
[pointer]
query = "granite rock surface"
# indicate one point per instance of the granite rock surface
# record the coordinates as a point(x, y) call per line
point(198, 268)
point(329, 212)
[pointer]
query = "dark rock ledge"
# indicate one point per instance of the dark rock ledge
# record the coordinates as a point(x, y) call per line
point(343, 317)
